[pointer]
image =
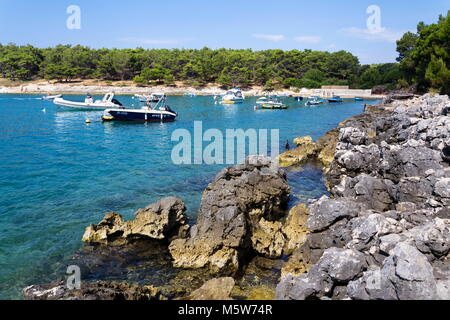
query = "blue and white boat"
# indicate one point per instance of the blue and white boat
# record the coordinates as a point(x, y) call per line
point(150, 112)
point(313, 101)
point(335, 99)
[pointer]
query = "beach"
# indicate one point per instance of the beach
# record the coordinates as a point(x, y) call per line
point(128, 87)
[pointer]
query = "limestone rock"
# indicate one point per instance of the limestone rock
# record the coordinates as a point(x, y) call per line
point(306, 149)
point(164, 219)
point(232, 207)
point(295, 229)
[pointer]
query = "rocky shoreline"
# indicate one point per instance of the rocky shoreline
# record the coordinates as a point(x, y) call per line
point(384, 233)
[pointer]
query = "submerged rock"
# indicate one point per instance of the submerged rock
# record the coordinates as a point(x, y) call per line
point(214, 289)
point(164, 219)
point(100, 290)
point(237, 212)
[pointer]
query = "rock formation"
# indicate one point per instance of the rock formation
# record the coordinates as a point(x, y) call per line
point(238, 214)
point(385, 233)
point(164, 219)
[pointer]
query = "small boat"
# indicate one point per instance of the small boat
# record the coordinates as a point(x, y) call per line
point(269, 103)
point(359, 99)
point(51, 97)
point(154, 97)
point(233, 96)
point(314, 100)
point(150, 112)
point(335, 99)
point(108, 101)
point(298, 98)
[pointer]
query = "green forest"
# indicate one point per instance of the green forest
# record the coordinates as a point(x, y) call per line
point(423, 64)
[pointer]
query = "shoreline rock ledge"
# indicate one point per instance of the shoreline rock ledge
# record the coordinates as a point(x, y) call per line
point(385, 231)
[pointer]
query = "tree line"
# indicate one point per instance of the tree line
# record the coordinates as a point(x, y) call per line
point(424, 57)
point(227, 67)
point(423, 60)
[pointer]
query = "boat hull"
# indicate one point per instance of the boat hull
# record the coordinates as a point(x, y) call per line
point(140, 116)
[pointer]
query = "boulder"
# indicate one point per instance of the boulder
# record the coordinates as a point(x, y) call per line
point(164, 219)
point(237, 209)
point(326, 212)
point(336, 266)
point(406, 275)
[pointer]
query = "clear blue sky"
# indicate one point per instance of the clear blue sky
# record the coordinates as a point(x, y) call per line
point(286, 24)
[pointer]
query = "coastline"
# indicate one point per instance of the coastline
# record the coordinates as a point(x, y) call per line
point(388, 174)
point(127, 88)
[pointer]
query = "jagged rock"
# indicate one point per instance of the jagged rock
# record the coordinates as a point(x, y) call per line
point(368, 229)
point(230, 213)
point(100, 290)
point(336, 266)
point(352, 135)
point(390, 166)
point(295, 229)
point(327, 211)
point(268, 239)
point(214, 289)
point(305, 150)
point(406, 275)
point(432, 237)
point(377, 194)
point(164, 219)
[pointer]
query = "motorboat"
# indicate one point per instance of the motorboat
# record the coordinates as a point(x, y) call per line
point(154, 97)
point(335, 99)
point(269, 103)
point(51, 97)
point(233, 96)
point(150, 112)
point(314, 100)
point(108, 101)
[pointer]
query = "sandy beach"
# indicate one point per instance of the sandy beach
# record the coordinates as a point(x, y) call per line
point(128, 87)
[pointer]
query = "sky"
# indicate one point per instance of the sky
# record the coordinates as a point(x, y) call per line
point(329, 25)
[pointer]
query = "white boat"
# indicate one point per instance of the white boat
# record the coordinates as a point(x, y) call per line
point(108, 101)
point(233, 96)
point(154, 97)
point(270, 103)
point(313, 101)
point(51, 97)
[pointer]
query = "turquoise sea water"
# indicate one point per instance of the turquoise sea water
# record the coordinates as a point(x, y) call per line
point(58, 174)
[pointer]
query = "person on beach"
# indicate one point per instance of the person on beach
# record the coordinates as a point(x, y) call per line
point(288, 147)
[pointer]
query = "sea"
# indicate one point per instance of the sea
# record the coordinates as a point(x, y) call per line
point(59, 174)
